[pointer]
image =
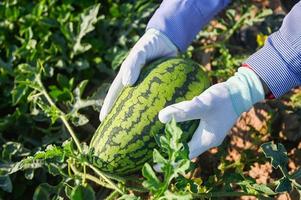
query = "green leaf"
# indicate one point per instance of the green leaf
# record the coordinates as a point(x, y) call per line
point(5, 183)
point(277, 153)
point(184, 184)
point(249, 185)
point(284, 185)
point(129, 197)
point(168, 195)
point(264, 189)
point(177, 161)
point(81, 192)
point(44, 191)
point(182, 166)
point(158, 158)
point(18, 93)
point(13, 149)
point(68, 147)
point(68, 191)
point(114, 11)
point(27, 163)
point(174, 133)
point(60, 95)
point(88, 19)
point(54, 152)
point(79, 90)
point(152, 182)
point(78, 119)
point(296, 174)
point(63, 81)
point(118, 59)
point(99, 96)
point(296, 100)
point(231, 177)
point(82, 64)
point(41, 194)
point(52, 112)
point(29, 174)
point(55, 169)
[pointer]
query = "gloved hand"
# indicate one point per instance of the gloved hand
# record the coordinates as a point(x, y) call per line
point(152, 45)
point(218, 108)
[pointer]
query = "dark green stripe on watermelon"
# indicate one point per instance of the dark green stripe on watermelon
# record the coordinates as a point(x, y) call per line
point(124, 141)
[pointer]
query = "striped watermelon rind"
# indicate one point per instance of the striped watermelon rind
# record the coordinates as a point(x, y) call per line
point(125, 140)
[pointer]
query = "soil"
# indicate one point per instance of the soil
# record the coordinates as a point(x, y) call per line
point(254, 129)
point(272, 120)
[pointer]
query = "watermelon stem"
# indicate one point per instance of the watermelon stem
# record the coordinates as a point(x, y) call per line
point(90, 177)
point(111, 176)
point(222, 194)
point(103, 176)
point(68, 126)
point(62, 115)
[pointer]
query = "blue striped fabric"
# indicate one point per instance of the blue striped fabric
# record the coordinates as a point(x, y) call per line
point(278, 63)
point(181, 20)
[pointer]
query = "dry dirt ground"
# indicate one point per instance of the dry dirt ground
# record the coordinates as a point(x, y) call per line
point(273, 120)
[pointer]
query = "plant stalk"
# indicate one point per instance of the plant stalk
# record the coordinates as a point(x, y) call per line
point(222, 194)
point(62, 115)
point(99, 173)
point(90, 177)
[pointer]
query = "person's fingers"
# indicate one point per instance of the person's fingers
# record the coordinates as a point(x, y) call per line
point(183, 111)
point(135, 61)
point(132, 66)
point(152, 45)
point(142, 52)
point(199, 107)
point(203, 139)
point(111, 97)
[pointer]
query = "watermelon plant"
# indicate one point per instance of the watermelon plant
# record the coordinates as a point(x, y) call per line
point(57, 59)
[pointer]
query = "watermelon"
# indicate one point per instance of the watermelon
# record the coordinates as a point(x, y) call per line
point(125, 139)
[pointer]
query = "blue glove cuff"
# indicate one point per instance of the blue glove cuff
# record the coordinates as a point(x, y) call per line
point(245, 89)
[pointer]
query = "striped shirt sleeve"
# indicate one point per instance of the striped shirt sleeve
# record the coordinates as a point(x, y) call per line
point(278, 63)
point(181, 20)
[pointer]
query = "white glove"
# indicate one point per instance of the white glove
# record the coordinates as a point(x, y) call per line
point(152, 45)
point(218, 108)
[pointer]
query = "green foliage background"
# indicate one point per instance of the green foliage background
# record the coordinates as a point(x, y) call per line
point(75, 41)
point(75, 48)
